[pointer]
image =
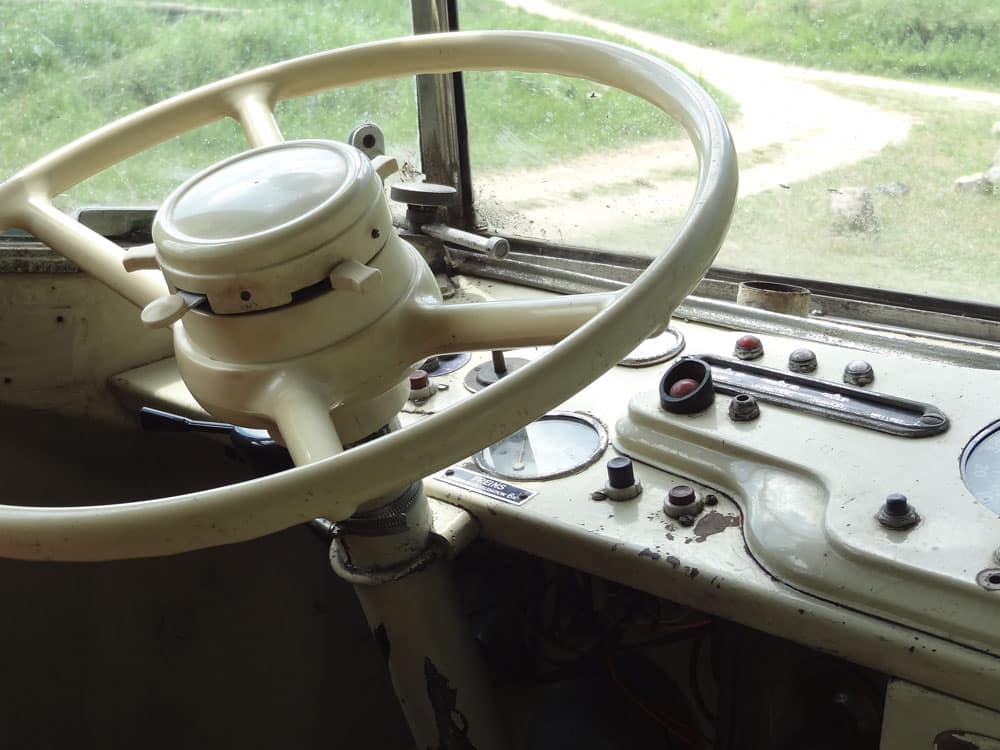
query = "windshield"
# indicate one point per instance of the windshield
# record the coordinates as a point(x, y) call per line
point(865, 128)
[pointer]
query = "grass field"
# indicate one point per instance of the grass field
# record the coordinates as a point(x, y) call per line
point(954, 41)
point(931, 241)
point(70, 67)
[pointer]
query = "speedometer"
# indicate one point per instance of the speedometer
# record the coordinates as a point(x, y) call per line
point(557, 444)
point(981, 467)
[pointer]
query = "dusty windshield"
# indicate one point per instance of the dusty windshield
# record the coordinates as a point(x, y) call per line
point(868, 133)
point(865, 128)
point(69, 67)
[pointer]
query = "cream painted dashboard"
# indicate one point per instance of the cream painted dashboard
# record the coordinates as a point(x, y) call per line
point(793, 547)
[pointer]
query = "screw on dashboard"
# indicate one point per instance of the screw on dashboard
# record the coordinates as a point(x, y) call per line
point(989, 579)
point(711, 500)
point(897, 513)
point(743, 408)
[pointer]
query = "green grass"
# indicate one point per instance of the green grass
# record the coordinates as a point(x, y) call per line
point(932, 241)
point(67, 68)
point(954, 41)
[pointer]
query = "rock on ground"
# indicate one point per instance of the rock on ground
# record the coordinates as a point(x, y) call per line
point(976, 183)
point(893, 189)
point(853, 210)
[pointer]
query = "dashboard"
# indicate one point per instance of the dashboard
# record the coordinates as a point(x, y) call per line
point(790, 501)
point(781, 529)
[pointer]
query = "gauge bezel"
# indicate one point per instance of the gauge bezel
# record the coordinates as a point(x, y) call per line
point(576, 416)
point(963, 461)
point(660, 354)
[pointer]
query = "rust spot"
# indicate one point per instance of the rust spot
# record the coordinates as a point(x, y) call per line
point(714, 522)
point(693, 572)
point(647, 552)
point(674, 562)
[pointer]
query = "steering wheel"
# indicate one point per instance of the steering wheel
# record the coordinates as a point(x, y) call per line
point(590, 333)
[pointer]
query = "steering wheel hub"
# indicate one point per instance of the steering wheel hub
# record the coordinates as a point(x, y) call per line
point(255, 230)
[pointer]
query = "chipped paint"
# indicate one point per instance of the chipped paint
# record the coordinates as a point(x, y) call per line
point(647, 552)
point(713, 522)
point(452, 726)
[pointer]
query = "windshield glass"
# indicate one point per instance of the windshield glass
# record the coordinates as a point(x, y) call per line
point(865, 132)
point(70, 67)
point(865, 129)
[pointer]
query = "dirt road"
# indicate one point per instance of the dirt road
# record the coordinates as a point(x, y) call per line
point(789, 129)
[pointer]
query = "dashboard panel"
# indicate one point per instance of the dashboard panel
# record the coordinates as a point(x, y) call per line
point(788, 537)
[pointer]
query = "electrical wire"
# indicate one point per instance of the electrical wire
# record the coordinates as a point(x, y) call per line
point(682, 732)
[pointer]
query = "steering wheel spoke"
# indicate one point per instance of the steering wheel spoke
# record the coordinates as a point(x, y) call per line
point(97, 255)
point(508, 324)
point(303, 419)
point(256, 116)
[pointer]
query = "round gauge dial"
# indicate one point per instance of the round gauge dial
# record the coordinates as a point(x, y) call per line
point(981, 467)
point(555, 445)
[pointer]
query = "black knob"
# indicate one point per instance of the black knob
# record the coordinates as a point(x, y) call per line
point(682, 494)
point(621, 475)
point(896, 504)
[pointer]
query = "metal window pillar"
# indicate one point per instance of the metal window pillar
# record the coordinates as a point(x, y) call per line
point(444, 152)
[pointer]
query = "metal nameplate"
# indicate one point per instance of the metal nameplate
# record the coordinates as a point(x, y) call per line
point(483, 484)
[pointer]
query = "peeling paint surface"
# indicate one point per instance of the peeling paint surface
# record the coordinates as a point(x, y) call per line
point(714, 522)
point(451, 723)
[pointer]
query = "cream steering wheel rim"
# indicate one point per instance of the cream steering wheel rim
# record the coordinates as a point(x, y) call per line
point(250, 509)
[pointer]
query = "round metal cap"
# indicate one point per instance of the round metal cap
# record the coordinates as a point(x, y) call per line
point(802, 360)
point(254, 229)
point(748, 347)
point(260, 193)
point(858, 372)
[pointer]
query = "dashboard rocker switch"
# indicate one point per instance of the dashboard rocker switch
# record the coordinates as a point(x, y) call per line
point(686, 387)
point(622, 482)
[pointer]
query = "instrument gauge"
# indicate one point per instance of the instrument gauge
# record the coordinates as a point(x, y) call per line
point(557, 444)
point(981, 467)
